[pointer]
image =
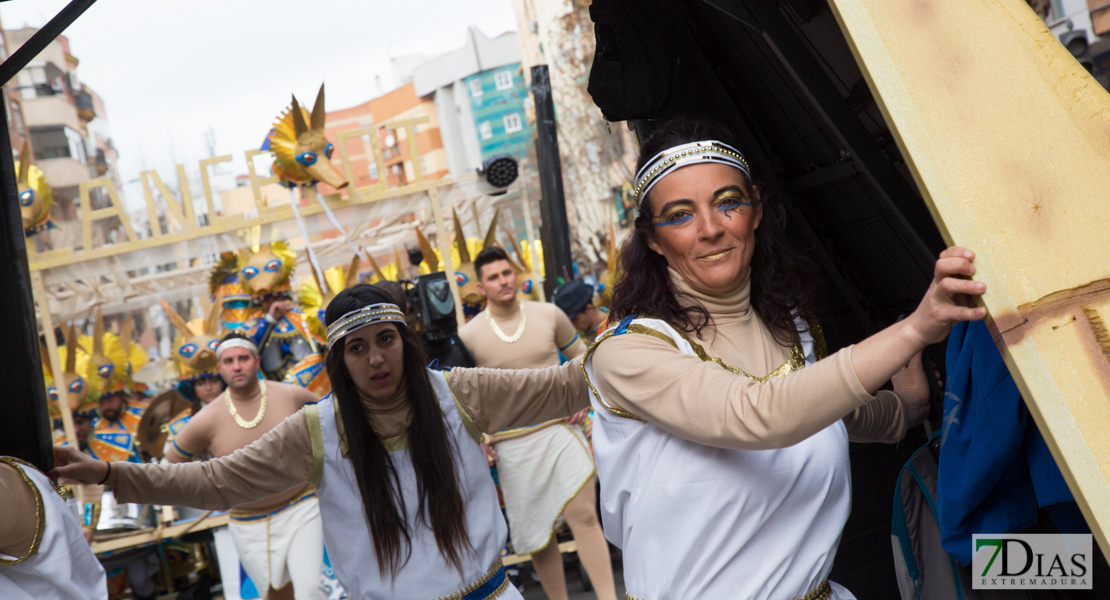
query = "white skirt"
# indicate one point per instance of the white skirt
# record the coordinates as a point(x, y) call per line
point(540, 474)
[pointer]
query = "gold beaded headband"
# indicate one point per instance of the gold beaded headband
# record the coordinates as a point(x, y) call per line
point(236, 343)
point(367, 315)
point(667, 161)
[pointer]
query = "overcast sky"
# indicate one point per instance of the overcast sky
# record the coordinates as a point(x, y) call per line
point(170, 69)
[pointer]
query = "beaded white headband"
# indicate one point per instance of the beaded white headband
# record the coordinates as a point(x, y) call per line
point(667, 161)
point(367, 315)
point(236, 343)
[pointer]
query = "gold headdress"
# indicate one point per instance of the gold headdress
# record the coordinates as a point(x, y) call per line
point(35, 195)
point(302, 154)
point(80, 386)
point(266, 269)
point(237, 307)
point(194, 346)
point(523, 267)
point(465, 276)
point(314, 302)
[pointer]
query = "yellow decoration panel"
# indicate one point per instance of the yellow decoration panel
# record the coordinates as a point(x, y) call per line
point(1008, 139)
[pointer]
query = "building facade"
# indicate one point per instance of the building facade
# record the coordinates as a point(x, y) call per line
point(481, 97)
point(398, 105)
point(67, 125)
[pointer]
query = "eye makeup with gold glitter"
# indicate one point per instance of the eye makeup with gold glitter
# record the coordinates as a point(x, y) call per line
point(730, 199)
point(675, 213)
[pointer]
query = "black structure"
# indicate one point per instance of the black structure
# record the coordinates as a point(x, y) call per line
point(555, 230)
point(24, 422)
point(781, 75)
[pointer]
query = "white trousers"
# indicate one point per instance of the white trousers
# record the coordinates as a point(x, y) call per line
point(286, 545)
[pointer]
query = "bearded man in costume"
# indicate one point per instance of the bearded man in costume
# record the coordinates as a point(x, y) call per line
point(280, 538)
point(546, 472)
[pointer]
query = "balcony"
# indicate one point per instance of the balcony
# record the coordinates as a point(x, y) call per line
point(63, 172)
point(50, 110)
point(86, 111)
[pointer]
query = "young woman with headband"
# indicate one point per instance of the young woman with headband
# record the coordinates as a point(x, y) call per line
point(394, 438)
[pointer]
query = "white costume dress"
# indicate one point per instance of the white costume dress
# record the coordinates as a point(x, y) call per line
point(428, 575)
point(61, 566)
point(694, 521)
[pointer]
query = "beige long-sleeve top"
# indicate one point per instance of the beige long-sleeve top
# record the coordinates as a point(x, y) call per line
point(494, 399)
point(700, 401)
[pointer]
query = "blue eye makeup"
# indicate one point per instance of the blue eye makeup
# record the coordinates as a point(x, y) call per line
point(27, 197)
point(676, 216)
point(272, 266)
point(328, 150)
point(250, 272)
point(188, 350)
point(307, 158)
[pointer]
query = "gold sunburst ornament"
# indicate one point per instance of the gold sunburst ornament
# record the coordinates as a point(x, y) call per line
point(235, 413)
point(519, 328)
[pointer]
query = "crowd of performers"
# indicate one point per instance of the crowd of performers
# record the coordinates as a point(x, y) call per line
point(719, 436)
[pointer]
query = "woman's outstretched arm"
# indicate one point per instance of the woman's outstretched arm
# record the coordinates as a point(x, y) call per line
point(282, 459)
point(499, 399)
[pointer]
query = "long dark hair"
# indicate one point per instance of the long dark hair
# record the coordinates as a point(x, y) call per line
point(783, 279)
point(430, 447)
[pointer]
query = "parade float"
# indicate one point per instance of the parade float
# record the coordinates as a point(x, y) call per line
point(225, 266)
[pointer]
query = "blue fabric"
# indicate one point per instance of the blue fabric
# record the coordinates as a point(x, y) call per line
point(995, 469)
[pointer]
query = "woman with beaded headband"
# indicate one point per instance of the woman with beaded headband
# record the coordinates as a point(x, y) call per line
point(709, 398)
point(394, 438)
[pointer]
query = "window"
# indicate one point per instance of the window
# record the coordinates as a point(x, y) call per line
point(512, 122)
point(36, 82)
point(476, 87)
point(15, 115)
point(485, 130)
point(503, 79)
point(58, 142)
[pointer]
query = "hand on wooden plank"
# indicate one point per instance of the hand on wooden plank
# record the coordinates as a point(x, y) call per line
point(949, 299)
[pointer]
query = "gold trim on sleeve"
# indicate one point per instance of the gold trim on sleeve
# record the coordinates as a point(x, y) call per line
point(797, 357)
point(620, 412)
point(40, 510)
point(312, 419)
point(468, 423)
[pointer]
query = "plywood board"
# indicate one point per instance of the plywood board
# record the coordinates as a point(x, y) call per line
point(1008, 138)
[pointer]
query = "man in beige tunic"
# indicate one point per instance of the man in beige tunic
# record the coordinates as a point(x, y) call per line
point(279, 538)
point(547, 472)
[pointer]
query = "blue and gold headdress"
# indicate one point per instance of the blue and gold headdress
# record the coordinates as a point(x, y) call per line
point(667, 161)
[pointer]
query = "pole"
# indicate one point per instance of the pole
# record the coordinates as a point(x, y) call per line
point(445, 249)
point(42, 38)
point(24, 418)
point(52, 358)
point(553, 203)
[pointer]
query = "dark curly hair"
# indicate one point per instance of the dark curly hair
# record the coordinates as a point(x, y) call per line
point(783, 279)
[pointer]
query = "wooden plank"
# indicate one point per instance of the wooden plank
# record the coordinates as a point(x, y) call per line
point(516, 559)
point(1008, 139)
point(147, 536)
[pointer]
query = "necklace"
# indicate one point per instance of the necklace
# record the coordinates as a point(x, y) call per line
point(519, 328)
point(235, 413)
